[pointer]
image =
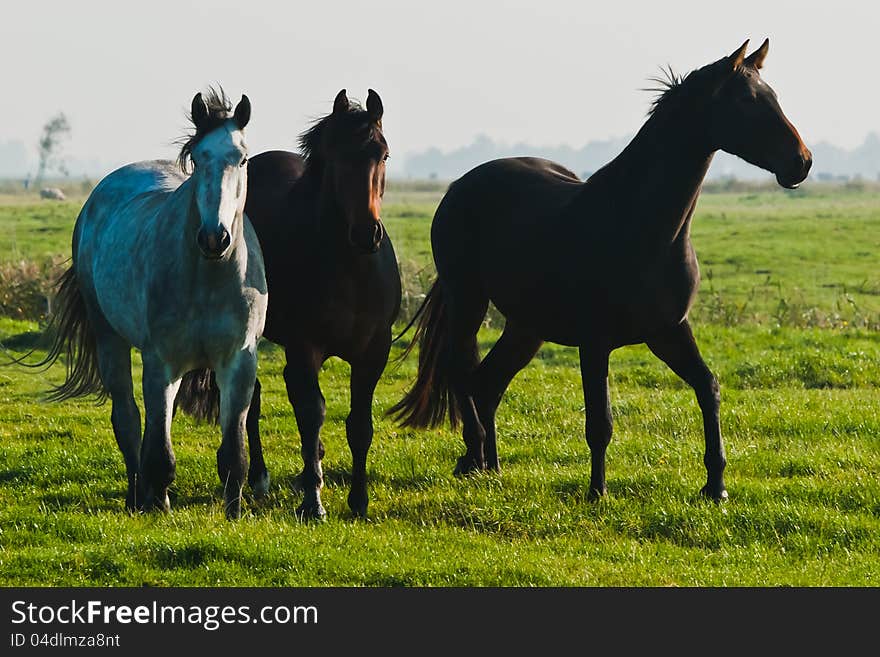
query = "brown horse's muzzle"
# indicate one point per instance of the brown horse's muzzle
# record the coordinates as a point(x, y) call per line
point(797, 171)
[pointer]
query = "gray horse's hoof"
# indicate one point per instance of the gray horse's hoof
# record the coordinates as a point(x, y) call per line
point(154, 502)
point(312, 511)
point(260, 485)
point(233, 509)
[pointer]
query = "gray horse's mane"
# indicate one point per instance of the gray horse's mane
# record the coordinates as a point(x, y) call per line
point(219, 110)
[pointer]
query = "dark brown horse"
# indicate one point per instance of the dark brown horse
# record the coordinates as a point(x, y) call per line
point(334, 286)
point(597, 265)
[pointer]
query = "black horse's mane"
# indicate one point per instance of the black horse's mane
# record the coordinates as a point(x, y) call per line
point(219, 110)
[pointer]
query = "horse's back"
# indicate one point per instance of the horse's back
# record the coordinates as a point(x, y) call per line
point(508, 193)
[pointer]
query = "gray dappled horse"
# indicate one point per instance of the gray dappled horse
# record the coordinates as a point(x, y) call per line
point(169, 264)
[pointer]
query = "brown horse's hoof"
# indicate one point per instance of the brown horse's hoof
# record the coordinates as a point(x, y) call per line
point(467, 465)
point(714, 493)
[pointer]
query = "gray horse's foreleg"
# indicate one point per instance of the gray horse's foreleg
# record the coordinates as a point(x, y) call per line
point(114, 363)
point(258, 474)
point(157, 456)
point(236, 382)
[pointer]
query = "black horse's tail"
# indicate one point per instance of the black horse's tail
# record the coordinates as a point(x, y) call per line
point(74, 337)
point(430, 400)
point(199, 396)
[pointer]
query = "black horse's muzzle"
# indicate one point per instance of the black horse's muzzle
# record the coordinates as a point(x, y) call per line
point(213, 244)
point(367, 239)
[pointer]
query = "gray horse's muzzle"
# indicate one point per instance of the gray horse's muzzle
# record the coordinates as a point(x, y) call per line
point(213, 244)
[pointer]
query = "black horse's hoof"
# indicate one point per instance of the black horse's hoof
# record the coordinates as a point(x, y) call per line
point(597, 494)
point(358, 505)
point(311, 511)
point(714, 493)
point(467, 465)
point(259, 484)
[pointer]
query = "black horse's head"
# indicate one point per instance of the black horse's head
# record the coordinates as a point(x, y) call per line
point(350, 149)
point(746, 119)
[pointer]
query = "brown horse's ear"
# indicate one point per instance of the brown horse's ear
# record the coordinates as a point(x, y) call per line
point(756, 59)
point(242, 112)
point(374, 106)
point(736, 59)
point(340, 105)
point(198, 111)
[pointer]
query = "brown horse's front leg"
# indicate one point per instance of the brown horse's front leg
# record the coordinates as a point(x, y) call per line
point(304, 393)
point(678, 349)
point(594, 375)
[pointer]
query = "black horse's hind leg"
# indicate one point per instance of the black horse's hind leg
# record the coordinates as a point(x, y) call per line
point(594, 374)
point(304, 393)
point(258, 475)
point(157, 456)
point(365, 375)
point(678, 349)
point(466, 313)
point(114, 363)
point(513, 351)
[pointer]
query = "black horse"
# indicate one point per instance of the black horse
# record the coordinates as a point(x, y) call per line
point(597, 265)
point(334, 285)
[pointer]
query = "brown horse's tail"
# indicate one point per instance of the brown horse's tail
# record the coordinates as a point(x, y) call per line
point(199, 396)
point(72, 335)
point(430, 399)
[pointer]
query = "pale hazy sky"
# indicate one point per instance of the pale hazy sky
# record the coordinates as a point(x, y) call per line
point(545, 72)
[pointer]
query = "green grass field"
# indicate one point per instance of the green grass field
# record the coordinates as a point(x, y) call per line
point(787, 317)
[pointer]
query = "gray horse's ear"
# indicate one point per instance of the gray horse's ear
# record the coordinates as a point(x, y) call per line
point(242, 112)
point(756, 59)
point(199, 110)
point(340, 105)
point(374, 106)
point(736, 59)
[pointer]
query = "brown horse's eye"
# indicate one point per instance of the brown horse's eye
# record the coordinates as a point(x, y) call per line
point(387, 155)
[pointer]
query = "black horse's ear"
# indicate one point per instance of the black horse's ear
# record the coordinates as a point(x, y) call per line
point(242, 112)
point(198, 111)
point(374, 106)
point(736, 59)
point(340, 105)
point(756, 59)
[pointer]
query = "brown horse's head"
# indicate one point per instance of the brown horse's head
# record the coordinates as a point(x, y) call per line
point(350, 150)
point(746, 119)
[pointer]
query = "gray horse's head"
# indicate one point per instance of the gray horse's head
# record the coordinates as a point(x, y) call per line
point(218, 154)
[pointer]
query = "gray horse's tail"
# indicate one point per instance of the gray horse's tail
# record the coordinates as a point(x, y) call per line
point(73, 336)
point(199, 396)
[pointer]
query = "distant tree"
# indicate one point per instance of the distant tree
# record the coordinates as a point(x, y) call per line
point(49, 147)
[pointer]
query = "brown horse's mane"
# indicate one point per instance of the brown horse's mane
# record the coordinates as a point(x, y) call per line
point(674, 89)
point(354, 124)
point(219, 111)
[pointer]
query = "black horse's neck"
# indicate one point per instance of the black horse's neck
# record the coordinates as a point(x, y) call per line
point(329, 226)
point(658, 176)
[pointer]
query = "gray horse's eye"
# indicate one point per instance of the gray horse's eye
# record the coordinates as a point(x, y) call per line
point(244, 161)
